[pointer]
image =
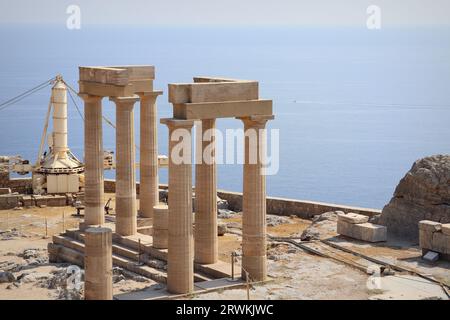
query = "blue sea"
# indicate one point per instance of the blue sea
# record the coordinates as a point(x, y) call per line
point(355, 107)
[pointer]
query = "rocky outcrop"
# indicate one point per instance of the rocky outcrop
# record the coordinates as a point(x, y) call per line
point(422, 194)
point(323, 226)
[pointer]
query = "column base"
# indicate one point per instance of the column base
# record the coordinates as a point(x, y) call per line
point(83, 226)
point(256, 266)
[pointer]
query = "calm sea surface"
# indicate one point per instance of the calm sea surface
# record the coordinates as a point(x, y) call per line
point(355, 108)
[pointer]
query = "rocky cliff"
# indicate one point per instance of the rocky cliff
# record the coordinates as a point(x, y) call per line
point(422, 194)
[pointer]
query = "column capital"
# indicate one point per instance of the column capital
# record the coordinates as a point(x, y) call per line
point(89, 97)
point(257, 120)
point(125, 101)
point(149, 94)
point(177, 123)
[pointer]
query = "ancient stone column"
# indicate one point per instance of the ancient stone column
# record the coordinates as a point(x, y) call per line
point(93, 161)
point(180, 259)
point(206, 249)
point(126, 211)
point(254, 257)
point(98, 264)
point(148, 193)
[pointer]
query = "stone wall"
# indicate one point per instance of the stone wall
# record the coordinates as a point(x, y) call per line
point(4, 179)
point(435, 236)
point(300, 208)
point(276, 206)
point(21, 185)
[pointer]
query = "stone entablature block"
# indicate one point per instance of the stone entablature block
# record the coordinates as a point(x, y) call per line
point(116, 81)
point(357, 226)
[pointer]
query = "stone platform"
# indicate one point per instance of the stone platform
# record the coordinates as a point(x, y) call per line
point(133, 253)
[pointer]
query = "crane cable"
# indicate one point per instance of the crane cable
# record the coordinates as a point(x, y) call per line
point(109, 122)
point(25, 94)
point(76, 105)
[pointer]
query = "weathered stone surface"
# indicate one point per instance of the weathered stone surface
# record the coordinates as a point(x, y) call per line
point(5, 190)
point(323, 226)
point(221, 229)
point(364, 231)
point(7, 277)
point(56, 201)
point(425, 239)
point(430, 226)
point(353, 218)
point(441, 243)
point(9, 201)
point(445, 228)
point(225, 214)
point(28, 201)
point(222, 204)
point(422, 194)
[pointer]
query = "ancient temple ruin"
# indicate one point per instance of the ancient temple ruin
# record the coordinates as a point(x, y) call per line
point(191, 256)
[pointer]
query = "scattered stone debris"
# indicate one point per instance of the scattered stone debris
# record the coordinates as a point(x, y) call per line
point(6, 277)
point(221, 229)
point(12, 234)
point(156, 263)
point(322, 226)
point(280, 251)
point(273, 220)
point(233, 225)
point(222, 204)
point(120, 274)
point(68, 286)
point(225, 213)
point(30, 253)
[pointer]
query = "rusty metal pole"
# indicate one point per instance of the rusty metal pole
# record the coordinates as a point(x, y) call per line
point(46, 228)
point(139, 252)
point(232, 265)
point(247, 284)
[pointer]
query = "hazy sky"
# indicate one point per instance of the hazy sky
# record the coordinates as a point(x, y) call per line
point(228, 12)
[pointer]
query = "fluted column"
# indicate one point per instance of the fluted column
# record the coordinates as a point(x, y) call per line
point(254, 256)
point(93, 160)
point(206, 249)
point(126, 212)
point(180, 259)
point(148, 193)
point(98, 264)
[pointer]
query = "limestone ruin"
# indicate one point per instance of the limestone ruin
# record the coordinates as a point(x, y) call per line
point(206, 99)
point(171, 238)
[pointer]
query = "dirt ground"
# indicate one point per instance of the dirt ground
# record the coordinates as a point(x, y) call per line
point(293, 272)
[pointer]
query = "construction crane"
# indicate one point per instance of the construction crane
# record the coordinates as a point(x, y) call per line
point(57, 169)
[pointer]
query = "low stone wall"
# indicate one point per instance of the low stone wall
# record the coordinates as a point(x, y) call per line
point(277, 206)
point(435, 236)
point(300, 208)
point(4, 179)
point(20, 185)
